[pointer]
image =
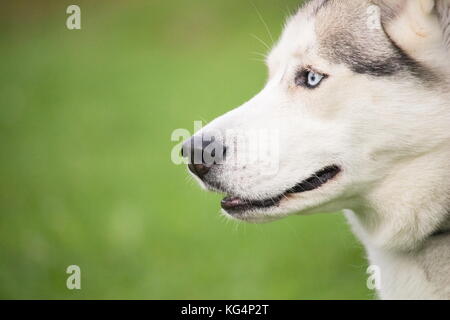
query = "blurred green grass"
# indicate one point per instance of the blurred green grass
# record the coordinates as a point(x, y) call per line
point(86, 175)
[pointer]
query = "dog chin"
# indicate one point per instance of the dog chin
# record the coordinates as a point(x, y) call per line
point(255, 217)
point(290, 206)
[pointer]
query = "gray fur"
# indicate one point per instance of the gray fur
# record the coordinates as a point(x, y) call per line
point(365, 50)
point(443, 10)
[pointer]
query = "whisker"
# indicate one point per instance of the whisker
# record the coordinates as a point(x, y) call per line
point(260, 40)
point(260, 54)
point(263, 22)
point(258, 60)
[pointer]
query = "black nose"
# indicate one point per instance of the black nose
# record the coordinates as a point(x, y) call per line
point(203, 153)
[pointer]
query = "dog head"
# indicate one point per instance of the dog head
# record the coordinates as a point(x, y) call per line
point(354, 89)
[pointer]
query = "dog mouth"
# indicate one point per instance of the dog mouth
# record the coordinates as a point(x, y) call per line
point(236, 205)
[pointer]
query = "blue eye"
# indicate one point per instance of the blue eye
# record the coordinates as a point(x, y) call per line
point(314, 79)
point(309, 79)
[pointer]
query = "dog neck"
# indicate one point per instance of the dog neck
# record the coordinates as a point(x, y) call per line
point(408, 206)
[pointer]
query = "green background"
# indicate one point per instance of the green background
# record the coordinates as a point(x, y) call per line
point(86, 177)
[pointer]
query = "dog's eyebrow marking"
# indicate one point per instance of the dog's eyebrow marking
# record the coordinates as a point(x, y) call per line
point(397, 61)
point(361, 61)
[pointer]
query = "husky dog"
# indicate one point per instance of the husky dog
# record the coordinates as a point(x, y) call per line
point(359, 96)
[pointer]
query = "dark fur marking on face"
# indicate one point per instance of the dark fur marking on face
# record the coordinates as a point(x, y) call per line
point(362, 61)
point(343, 47)
point(345, 38)
point(411, 65)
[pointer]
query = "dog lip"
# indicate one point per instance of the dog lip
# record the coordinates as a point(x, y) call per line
point(317, 180)
point(235, 205)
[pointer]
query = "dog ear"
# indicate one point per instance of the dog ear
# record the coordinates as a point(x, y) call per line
point(416, 24)
point(427, 6)
point(396, 7)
